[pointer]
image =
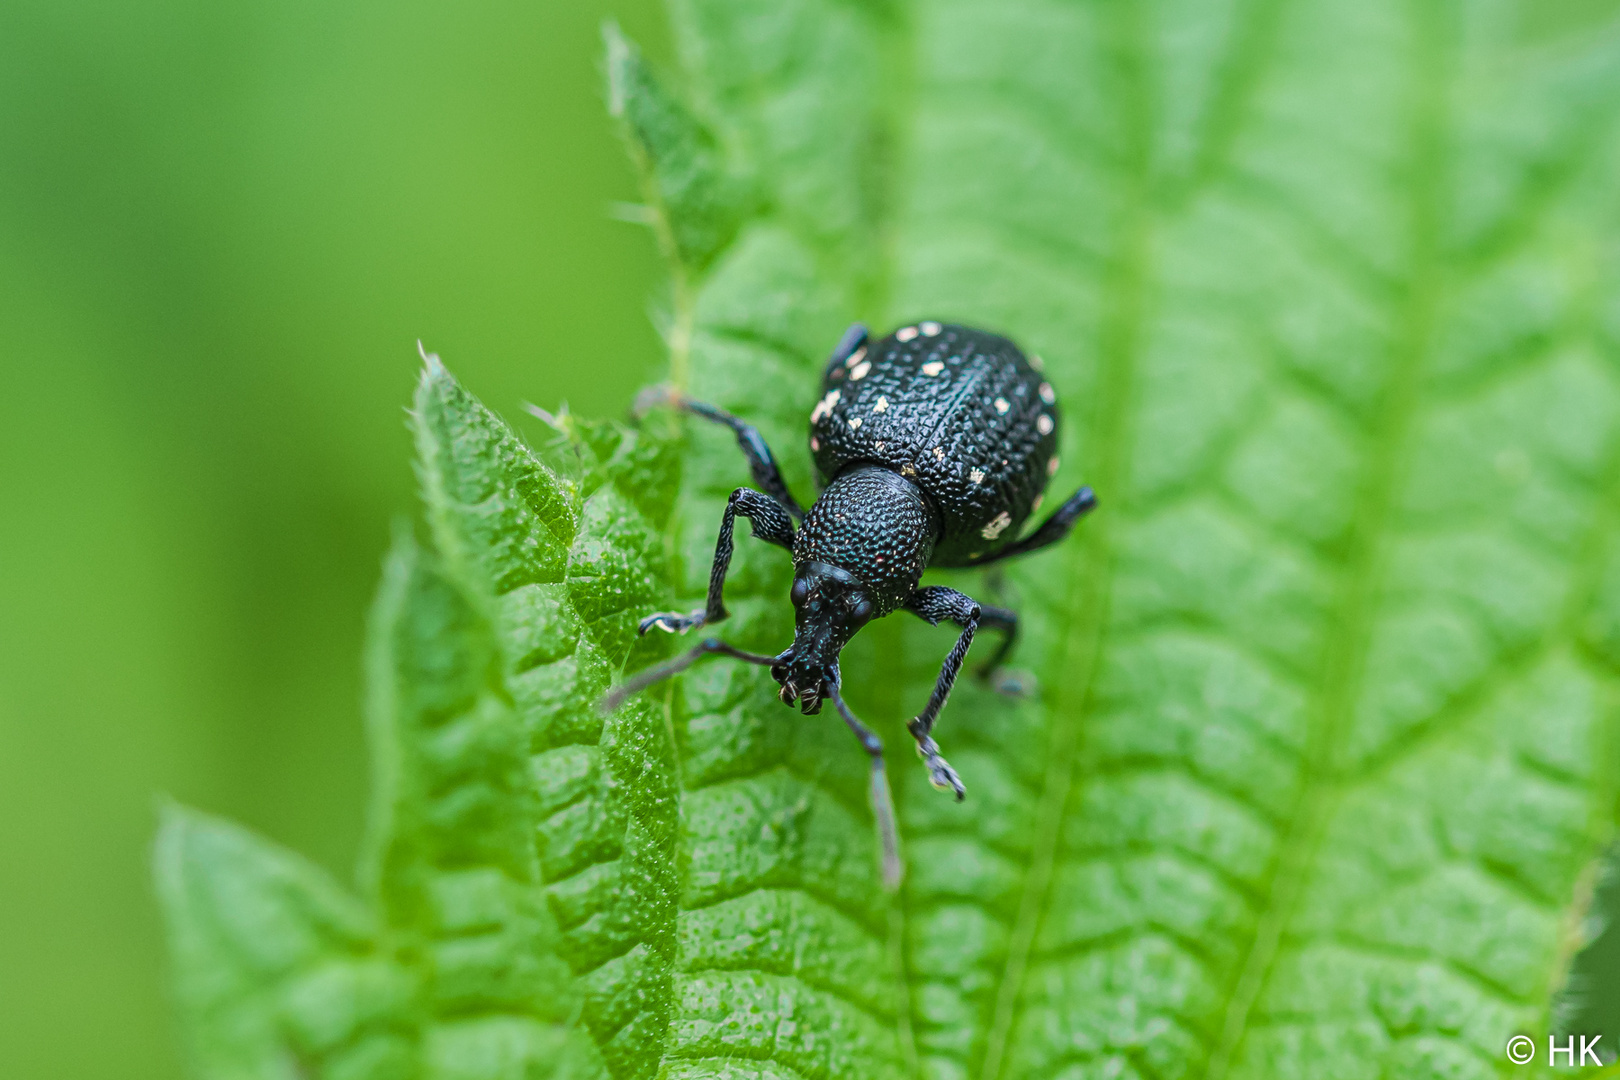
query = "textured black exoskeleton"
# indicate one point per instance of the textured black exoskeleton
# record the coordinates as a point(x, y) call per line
point(933, 446)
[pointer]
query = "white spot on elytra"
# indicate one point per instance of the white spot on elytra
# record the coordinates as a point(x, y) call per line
point(1036, 505)
point(1043, 424)
point(939, 453)
point(997, 526)
point(932, 368)
point(824, 406)
point(1052, 466)
point(905, 333)
point(977, 476)
point(908, 469)
point(882, 405)
point(855, 357)
point(854, 422)
point(931, 328)
point(878, 447)
point(860, 370)
point(1047, 395)
point(1037, 363)
point(815, 444)
point(1002, 406)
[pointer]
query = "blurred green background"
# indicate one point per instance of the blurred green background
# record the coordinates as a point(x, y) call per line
point(222, 229)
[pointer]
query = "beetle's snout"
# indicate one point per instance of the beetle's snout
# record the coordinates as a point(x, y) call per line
point(829, 606)
point(803, 679)
point(809, 698)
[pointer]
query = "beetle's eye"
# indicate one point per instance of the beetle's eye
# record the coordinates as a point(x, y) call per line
point(801, 589)
point(862, 610)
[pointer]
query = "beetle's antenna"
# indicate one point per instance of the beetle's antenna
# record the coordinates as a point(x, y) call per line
point(658, 672)
point(882, 801)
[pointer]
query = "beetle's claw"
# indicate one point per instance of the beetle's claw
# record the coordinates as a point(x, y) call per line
point(944, 778)
point(940, 773)
point(672, 622)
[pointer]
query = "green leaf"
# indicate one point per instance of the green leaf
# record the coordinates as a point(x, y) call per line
point(1589, 1002)
point(573, 567)
point(519, 872)
point(278, 972)
point(1325, 741)
point(1327, 722)
point(698, 197)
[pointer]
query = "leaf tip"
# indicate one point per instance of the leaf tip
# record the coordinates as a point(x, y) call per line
point(432, 366)
point(182, 844)
point(620, 54)
point(173, 819)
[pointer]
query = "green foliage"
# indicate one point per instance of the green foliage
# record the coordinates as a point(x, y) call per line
point(495, 778)
point(1326, 731)
point(691, 180)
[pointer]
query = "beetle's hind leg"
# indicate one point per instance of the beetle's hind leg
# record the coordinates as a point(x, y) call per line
point(1002, 679)
point(998, 618)
point(761, 463)
point(771, 523)
point(1052, 530)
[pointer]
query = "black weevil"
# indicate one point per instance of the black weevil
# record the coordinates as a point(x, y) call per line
point(933, 446)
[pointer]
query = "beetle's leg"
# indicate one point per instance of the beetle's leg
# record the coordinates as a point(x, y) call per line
point(659, 672)
point(1006, 681)
point(854, 338)
point(934, 603)
point(998, 618)
point(995, 582)
point(760, 462)
point(771, 523)
point(882, 801)
point(1052, 530)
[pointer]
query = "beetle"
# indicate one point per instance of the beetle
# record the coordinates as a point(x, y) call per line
point(932, 447)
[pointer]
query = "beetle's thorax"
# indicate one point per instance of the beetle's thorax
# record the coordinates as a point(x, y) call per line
point(874, 524)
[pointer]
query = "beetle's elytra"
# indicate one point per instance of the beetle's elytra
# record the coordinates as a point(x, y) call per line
point(933, 446)
point(960, 414)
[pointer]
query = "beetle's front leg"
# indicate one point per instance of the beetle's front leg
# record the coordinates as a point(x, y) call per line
point(771, 523)
point(933, 603)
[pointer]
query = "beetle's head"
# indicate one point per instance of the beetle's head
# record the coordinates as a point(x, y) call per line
point(829, 606)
